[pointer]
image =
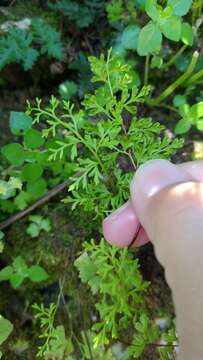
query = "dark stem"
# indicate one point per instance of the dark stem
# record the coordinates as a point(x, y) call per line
point(57, 189)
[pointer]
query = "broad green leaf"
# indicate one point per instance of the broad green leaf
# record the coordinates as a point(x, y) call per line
point(129, 37)
point(197, 111)
point(171, 28)
point(20, 266)
point(180, 7)
point(5, 329)
point(6, 273)
point(19, 122)
point(16, 280)
point(156, 62)
point(21, 200)
point(187, 34)
point(179, 100)
point(45, 225)
point(31, 172)
point(199, 124)
point(33, 230)
point(33, 139)
point(37, 273)
point(1, 235)
point(151, 9)
point(149, 40)
point(6, 190)
point(14, 153)
point(183, 126)
point(37, 189)
point(15, 182)
point(68, 89)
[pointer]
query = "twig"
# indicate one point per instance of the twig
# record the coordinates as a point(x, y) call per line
point(57, 189)
point(12, 3)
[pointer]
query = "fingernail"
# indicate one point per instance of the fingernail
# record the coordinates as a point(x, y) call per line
point(152, 177)
point(120, 227)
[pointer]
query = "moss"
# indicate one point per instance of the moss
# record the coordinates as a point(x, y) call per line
point(56, 251)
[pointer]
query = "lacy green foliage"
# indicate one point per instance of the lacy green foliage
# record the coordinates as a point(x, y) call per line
point(104, 147)
point(145, 335)
point(118, 10)
point(26, 46)
point(18, 271)
point(169, 344)
point(5, 329)
point(114, 275)
point(98, 146)
point(56, 345)
point(83, 13)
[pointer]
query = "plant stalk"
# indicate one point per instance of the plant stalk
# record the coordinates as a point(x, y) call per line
point(195, 77)
point(146, 70)
point(171, 88)
point(174, 58)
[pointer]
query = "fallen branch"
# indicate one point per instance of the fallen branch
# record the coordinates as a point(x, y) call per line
point(57, 189)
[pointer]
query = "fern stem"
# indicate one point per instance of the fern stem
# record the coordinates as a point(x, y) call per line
point(171, 88)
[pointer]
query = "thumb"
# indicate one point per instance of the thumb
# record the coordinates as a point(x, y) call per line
point(150, 180)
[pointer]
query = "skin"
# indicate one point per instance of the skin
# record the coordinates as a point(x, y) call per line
point(167, 200)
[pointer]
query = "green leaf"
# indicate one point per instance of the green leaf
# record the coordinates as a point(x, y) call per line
point(21, 200)
point(1, 235)
point(37, 189)
point(19, 122)
point(16, 280)
point(187, 34)
point(129, 37)
point(179, 100)
point(171, 28)
point(6, 190)
point(183, 126)
point(37, 273)
point(20, 265)
point(156, 62)
point(5, 329)
point(197, 111)
point(88, 271)
point(180, 7)
point(14, 153)
point(6, 273)
point(33, 230)
point(151, 9)
point(33, 139)
point(31, 172)
point(199, 124)
point(149, 40)
point(68, 89)
point(45, 225)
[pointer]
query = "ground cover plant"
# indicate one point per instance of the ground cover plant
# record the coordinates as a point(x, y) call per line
point(100, 87)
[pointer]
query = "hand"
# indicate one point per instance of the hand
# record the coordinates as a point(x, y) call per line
point(168, 201)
